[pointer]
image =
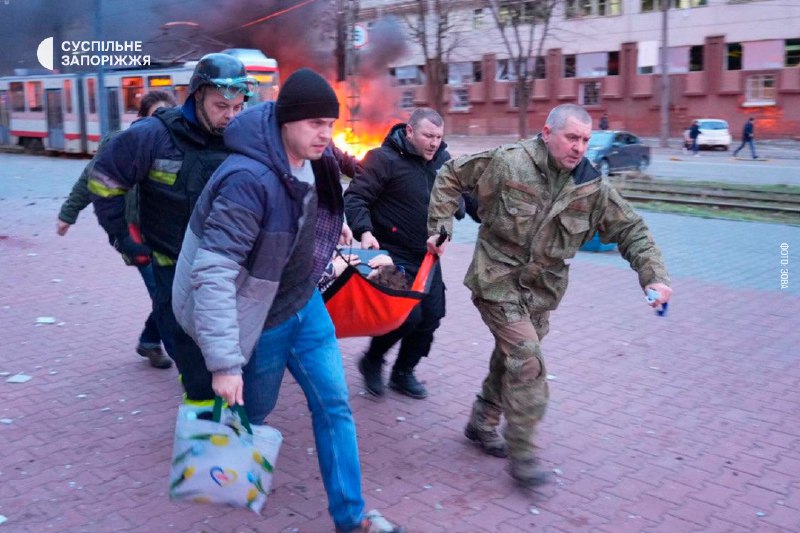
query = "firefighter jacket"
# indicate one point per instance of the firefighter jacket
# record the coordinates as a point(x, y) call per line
point(535, 217)
point(79, 197)
point(171, 157)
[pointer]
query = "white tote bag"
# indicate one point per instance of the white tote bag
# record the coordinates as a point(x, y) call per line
point(218, 457)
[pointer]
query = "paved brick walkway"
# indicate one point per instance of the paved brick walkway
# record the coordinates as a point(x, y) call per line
point(684, 424)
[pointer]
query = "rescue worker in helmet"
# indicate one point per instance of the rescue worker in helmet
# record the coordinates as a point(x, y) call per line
point(171, 156)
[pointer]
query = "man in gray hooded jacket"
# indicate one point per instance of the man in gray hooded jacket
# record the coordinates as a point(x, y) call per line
point(245, 286)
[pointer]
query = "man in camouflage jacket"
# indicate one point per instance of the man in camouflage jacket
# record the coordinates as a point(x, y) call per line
point(539, 201)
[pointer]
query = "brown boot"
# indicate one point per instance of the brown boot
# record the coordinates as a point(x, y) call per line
point(526, 473)
point(482, 428)
point(487, 438)
point(157, 357)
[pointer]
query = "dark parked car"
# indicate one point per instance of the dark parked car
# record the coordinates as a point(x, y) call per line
point(612, 151)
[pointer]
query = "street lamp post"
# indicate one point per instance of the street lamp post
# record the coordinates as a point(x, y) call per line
point(664, 141)
point(101, 86)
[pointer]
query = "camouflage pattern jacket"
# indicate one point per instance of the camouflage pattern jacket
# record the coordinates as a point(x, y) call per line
point(534, 218)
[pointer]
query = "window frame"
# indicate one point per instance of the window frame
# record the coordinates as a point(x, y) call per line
point(597, 92)
point(406, 99)
point(460, 73)
point(156, 82)
point(91, 96)
point(578, 9)
point(68, 96)
point(653, 6)
point(16, 96)
point(569, 65)
point(459, 98)
point(34, 96)
point(181, 93)
point(695, 52)
point(612, 63)
point(132, 89)
point(733, 56)
point(767, 96)
point(417, 79)
point(478, 18)
point(791, 49)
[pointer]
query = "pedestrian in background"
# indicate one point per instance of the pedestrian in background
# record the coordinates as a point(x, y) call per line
point(694, 133)
point(604, 122)
point(149, 345)
point(748, 132)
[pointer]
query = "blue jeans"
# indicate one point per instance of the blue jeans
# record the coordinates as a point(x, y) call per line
point(150, 336)
point(752, 147)
point(695, 146)
point(307, 346)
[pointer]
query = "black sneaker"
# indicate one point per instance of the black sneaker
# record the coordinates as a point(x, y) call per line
point(373, 378)
point(406, 383)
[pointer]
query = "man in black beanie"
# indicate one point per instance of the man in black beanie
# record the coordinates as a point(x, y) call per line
point(245, 287)
point(306, 94)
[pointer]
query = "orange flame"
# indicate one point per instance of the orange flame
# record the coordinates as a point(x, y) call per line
point(357, 134)
point(355, 144)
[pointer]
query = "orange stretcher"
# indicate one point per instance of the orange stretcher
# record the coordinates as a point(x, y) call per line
point(362, 308)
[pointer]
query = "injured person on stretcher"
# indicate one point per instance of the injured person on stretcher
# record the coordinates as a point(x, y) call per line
point(375, 265)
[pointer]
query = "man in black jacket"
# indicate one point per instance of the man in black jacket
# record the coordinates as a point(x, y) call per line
point(386, 206)
point(694, 133)
point(747, 138)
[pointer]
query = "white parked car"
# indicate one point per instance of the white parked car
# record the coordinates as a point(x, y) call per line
point(713, 133)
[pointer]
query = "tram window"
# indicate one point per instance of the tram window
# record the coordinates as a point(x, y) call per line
point(132, 92)
point(35, 96)
point(267, 87)
point(17, 96)
point(159, 82)
point(90, 90)
point(181, 91)
point(68, 95)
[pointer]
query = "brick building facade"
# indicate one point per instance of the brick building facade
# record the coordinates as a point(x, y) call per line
point(727, 59)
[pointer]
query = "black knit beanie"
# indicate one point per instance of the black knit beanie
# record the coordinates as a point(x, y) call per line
point(306, 94)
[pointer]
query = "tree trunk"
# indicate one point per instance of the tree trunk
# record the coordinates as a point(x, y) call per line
point(523, 101)
point(435, 84)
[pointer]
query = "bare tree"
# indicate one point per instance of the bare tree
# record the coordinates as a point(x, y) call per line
point(434, 31)
point(519, 21)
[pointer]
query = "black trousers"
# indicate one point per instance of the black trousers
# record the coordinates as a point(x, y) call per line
point(416, 333)
point(195, 377)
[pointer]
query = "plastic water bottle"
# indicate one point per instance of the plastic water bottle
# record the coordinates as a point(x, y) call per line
point(653, 296)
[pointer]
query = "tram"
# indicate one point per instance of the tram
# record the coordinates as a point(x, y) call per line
point(59, 112)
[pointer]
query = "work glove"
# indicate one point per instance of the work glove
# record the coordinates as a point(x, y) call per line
point(132, 252)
